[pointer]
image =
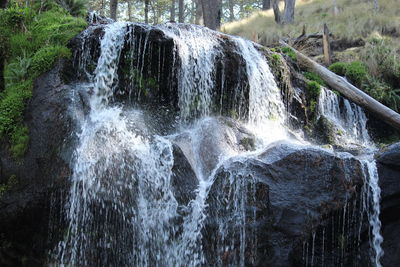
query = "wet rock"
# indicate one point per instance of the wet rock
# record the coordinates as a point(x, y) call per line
point(271, 201)
point(389, 181)
point(25, 208)
point(212, 140)
point(184, 180)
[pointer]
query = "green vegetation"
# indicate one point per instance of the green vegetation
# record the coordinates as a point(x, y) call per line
point(373, 82)
point(289, 52)
point(31, 42)
point(313, 91)
point(339, 68)
point(276, 59)
point(314, 77)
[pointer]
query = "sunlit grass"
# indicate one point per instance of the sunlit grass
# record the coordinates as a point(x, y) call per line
point(355, 19)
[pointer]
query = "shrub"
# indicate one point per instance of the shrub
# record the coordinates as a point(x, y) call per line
point(356, 72)
point(339, 68)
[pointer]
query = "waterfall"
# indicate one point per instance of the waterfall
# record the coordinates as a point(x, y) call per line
point(266, 109)
point(349, 117)
point(197, 50)
point(353, 122)
point(372, 180)
point(122, 208)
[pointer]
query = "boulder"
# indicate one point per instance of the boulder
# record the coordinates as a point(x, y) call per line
point(261, 209)
point(213, 139)
point(389, 181)
point(39, 177)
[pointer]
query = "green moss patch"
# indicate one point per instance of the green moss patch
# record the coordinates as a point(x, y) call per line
point(31, 42)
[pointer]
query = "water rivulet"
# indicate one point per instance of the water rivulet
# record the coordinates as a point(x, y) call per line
point(182, 157)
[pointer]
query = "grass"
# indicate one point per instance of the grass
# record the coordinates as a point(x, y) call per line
point(374, 67)
point(314, 13)
point(31, 43)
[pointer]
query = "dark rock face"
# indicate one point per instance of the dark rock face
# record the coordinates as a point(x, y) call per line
point(24, 216)
point(149, 68)
point(274, 201)
point(389, 181)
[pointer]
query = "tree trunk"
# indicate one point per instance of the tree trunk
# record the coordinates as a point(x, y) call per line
point(277, 12)
point(335, 8)
point(327, 46)
point(181, 11)
point(231, 10)
point(212, 13)
point(266, 4)
point(172, 18)
point(113, 9)
point(146, 11)
point(350, 91)
point(289, 11)
point(199, 13)
point(129, 10)
point(287, 17)
point(376, 5)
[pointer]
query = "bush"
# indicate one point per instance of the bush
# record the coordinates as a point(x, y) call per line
point(339, 68)
point(356, 72)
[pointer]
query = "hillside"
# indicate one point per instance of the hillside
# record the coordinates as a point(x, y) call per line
point(365, 42)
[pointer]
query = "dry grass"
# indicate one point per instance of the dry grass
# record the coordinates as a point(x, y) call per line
point(356, 18)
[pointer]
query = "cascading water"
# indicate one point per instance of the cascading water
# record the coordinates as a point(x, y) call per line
point(353, 122)
point(349, 117)
point(373, 215)
point(123, 209)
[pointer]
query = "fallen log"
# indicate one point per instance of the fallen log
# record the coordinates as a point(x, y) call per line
point(348, 90)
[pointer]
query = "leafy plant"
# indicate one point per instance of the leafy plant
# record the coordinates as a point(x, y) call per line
point(18, 70)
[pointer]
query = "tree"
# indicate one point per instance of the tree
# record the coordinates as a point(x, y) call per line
point(231, 10)
point(287, 17)
point(113, 9)
point(376, 5)
point(335, 7)
point(266, 4)
point(172, 18)
point(181, 11)
point(199, 13)
point(146, 11)
point(212, 13)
